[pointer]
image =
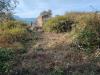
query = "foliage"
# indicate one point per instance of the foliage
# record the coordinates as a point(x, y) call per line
point(12, 32)
point(88, 37)
point(57, 72)
point(6, 56)
point(49, 13)
point(6, 6)
point(58, 24)
point(60, 62)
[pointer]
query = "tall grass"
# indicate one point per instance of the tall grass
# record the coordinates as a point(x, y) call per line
point(12, 32)
point(87, 32)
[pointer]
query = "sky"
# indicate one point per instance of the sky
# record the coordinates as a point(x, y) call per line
point(32, 8)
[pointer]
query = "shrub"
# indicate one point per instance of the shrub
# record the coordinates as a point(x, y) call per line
point(58, 24)
point(6, 56)
point(12, 32)
point(88, 37)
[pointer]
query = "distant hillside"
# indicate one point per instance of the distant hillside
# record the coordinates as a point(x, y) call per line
point(26, 20)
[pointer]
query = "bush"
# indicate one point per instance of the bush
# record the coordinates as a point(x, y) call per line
point(88, 37)
point(58, 24)
point(12, 32)
point(6, 56)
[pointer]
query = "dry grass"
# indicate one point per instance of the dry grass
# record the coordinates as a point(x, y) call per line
point(55, 54)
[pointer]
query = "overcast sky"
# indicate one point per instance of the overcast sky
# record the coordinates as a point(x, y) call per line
point(32, 8)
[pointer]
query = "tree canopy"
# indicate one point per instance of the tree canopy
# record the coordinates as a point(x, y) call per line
point(6, 7)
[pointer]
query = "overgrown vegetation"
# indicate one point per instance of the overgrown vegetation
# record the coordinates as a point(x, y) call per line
point(6, 7)
point(87, 32)
point(58, 24)
point(83, 27)
point(18, 56)
point(6, 59)
point(12, 32)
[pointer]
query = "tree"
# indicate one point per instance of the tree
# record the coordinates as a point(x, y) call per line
point(48, 13)
point(6, 7)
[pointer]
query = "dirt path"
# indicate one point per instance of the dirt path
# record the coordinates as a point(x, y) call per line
point(50, 51)
point(47, 40)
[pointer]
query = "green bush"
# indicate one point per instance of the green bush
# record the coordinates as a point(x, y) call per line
point(89, 37)
point(58, 24)
point(6, 56)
